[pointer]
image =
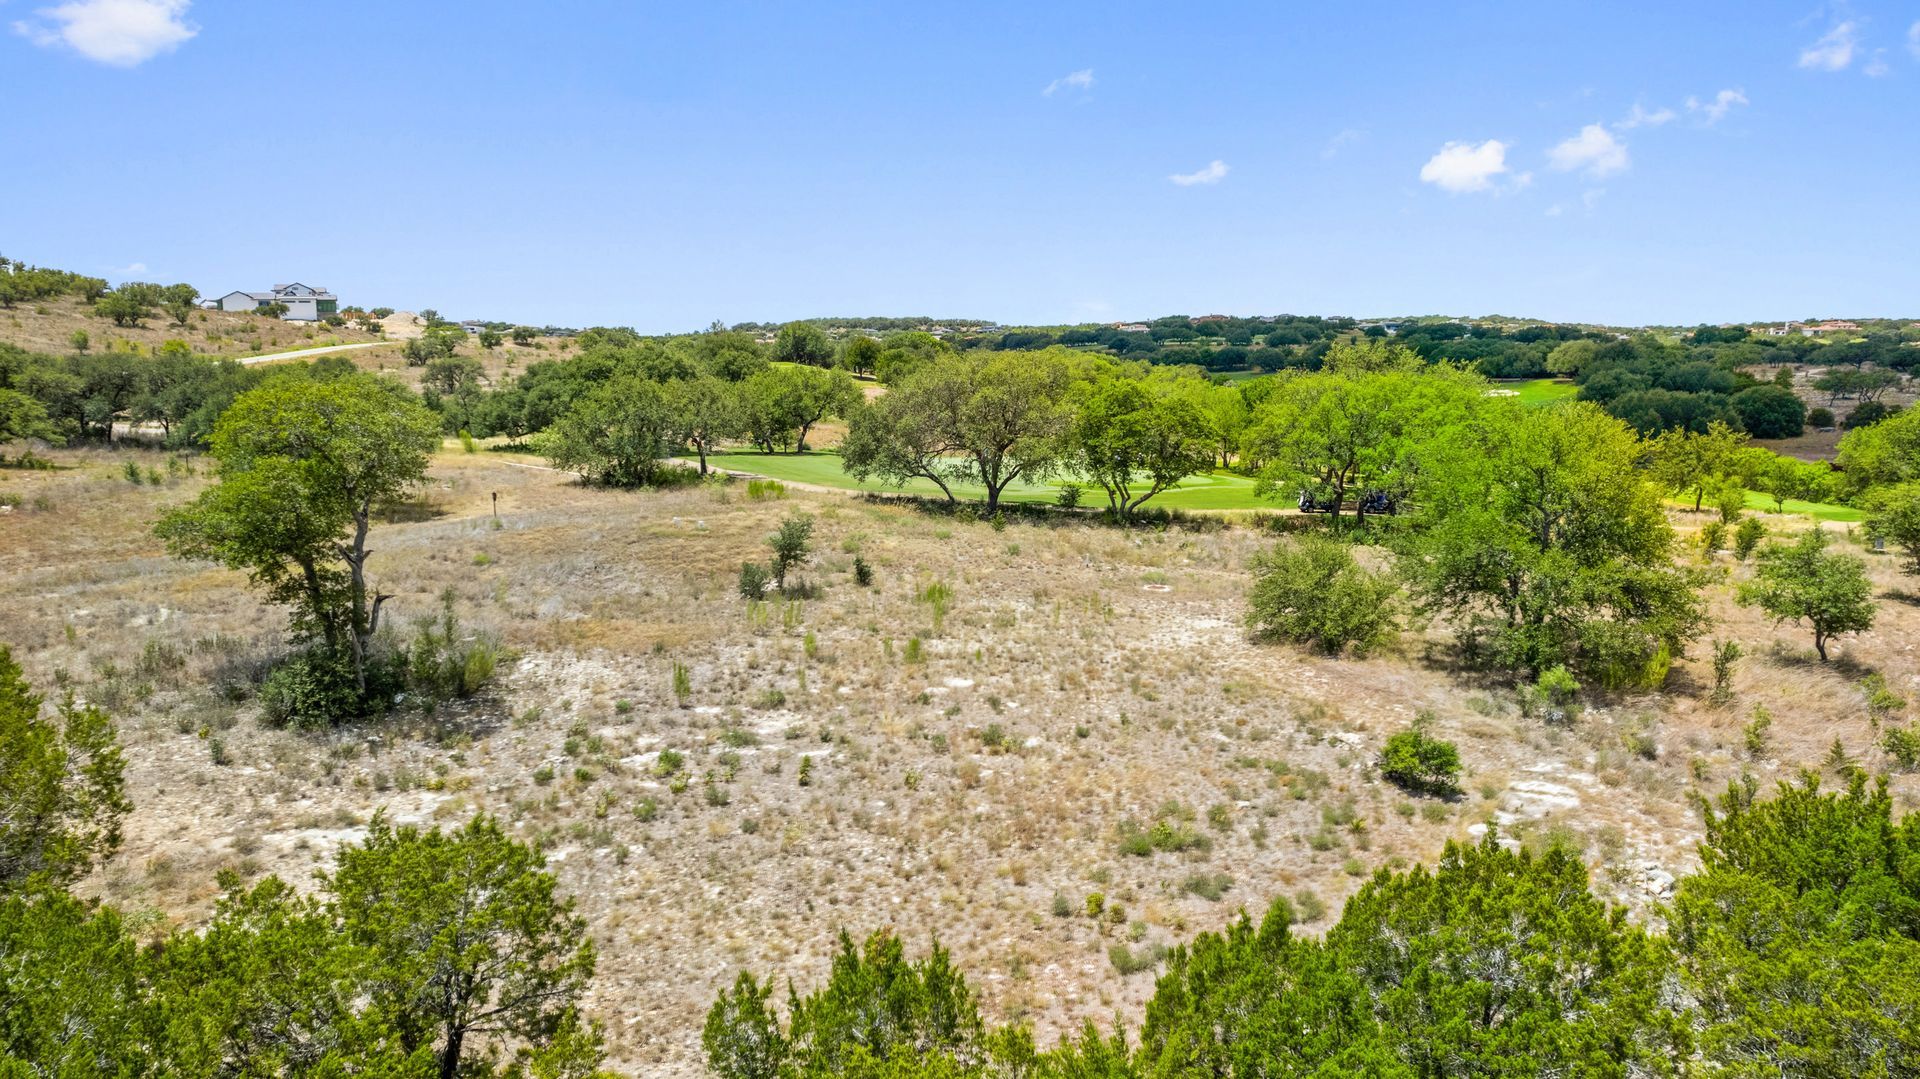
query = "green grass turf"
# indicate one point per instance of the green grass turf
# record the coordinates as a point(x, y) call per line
point(1821, 511)
point(1539, 391)
point(1215, 491)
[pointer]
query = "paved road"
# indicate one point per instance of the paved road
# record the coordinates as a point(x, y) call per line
point(306, 352)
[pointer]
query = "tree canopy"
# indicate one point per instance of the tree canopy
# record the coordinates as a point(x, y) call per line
point(303, 465)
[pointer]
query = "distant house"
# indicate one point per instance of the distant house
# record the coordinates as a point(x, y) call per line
point(304, 302)
point(473, 326)
point(1132, 327)
point(1208, 318)
point(1832, 326)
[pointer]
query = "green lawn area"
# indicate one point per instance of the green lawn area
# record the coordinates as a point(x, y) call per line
point(1539, 391)
point(1214, 491)
point(1237, 376)
point(1820, 511)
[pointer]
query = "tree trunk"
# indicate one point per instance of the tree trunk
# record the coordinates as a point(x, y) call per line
point(450, 1055)
point(363, 623)
point(1820, 644)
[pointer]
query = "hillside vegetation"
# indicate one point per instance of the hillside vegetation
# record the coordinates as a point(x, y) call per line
point(441, 714)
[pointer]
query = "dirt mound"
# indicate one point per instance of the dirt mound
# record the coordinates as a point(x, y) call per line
point(403, 325)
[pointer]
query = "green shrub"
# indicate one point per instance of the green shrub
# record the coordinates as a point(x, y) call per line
point(754, 579)
point(1754, 734)
point(1730, 501)
point(862, 572)
point(1208, 886)
point(1903, 745)
point(1882, 701)
point(310, 689)
point(1068, 496)
point(1725, 655)
point(1133, 961)
point(765, 490)
point(1552, 694)
point(1747, 537)
point(444, 663)
point(1415, 761)
point(1713, 536)
point(1310, 591)
point(791, 545)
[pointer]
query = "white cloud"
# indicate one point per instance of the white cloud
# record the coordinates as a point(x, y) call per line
point(1079, 80)
point(1594, 151)
point(1340, 142)
point(1876, 65)
point(1913, 39)
point(1591, 197)
point(1716, 110)
point(123, 33)
point(1215, 172)
point(1640, 117)
point(1834, 51)
point(131, 269)
point(1556, 210)
point(1462, 167)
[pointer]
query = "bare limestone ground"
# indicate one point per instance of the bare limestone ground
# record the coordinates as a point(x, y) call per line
point(1083, 679)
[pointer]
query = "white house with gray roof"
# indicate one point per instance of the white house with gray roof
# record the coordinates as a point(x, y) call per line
point(304, 302)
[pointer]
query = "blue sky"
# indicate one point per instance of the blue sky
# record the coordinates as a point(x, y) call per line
point(663, 166)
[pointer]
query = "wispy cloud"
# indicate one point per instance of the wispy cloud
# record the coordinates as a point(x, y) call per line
point(131, 269)
point(122, 33)
point(1215, 172)
point(1913, 39)
point(1078, 80)
point(1642, 117)
point(1595, 151)
point(1340, 142)
point(1464, 167)
point(1712, 112)
point(1876, 64)
point(1835, 49)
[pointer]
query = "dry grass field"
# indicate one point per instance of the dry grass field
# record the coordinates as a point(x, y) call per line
point(967, 775)
point(48, 325)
